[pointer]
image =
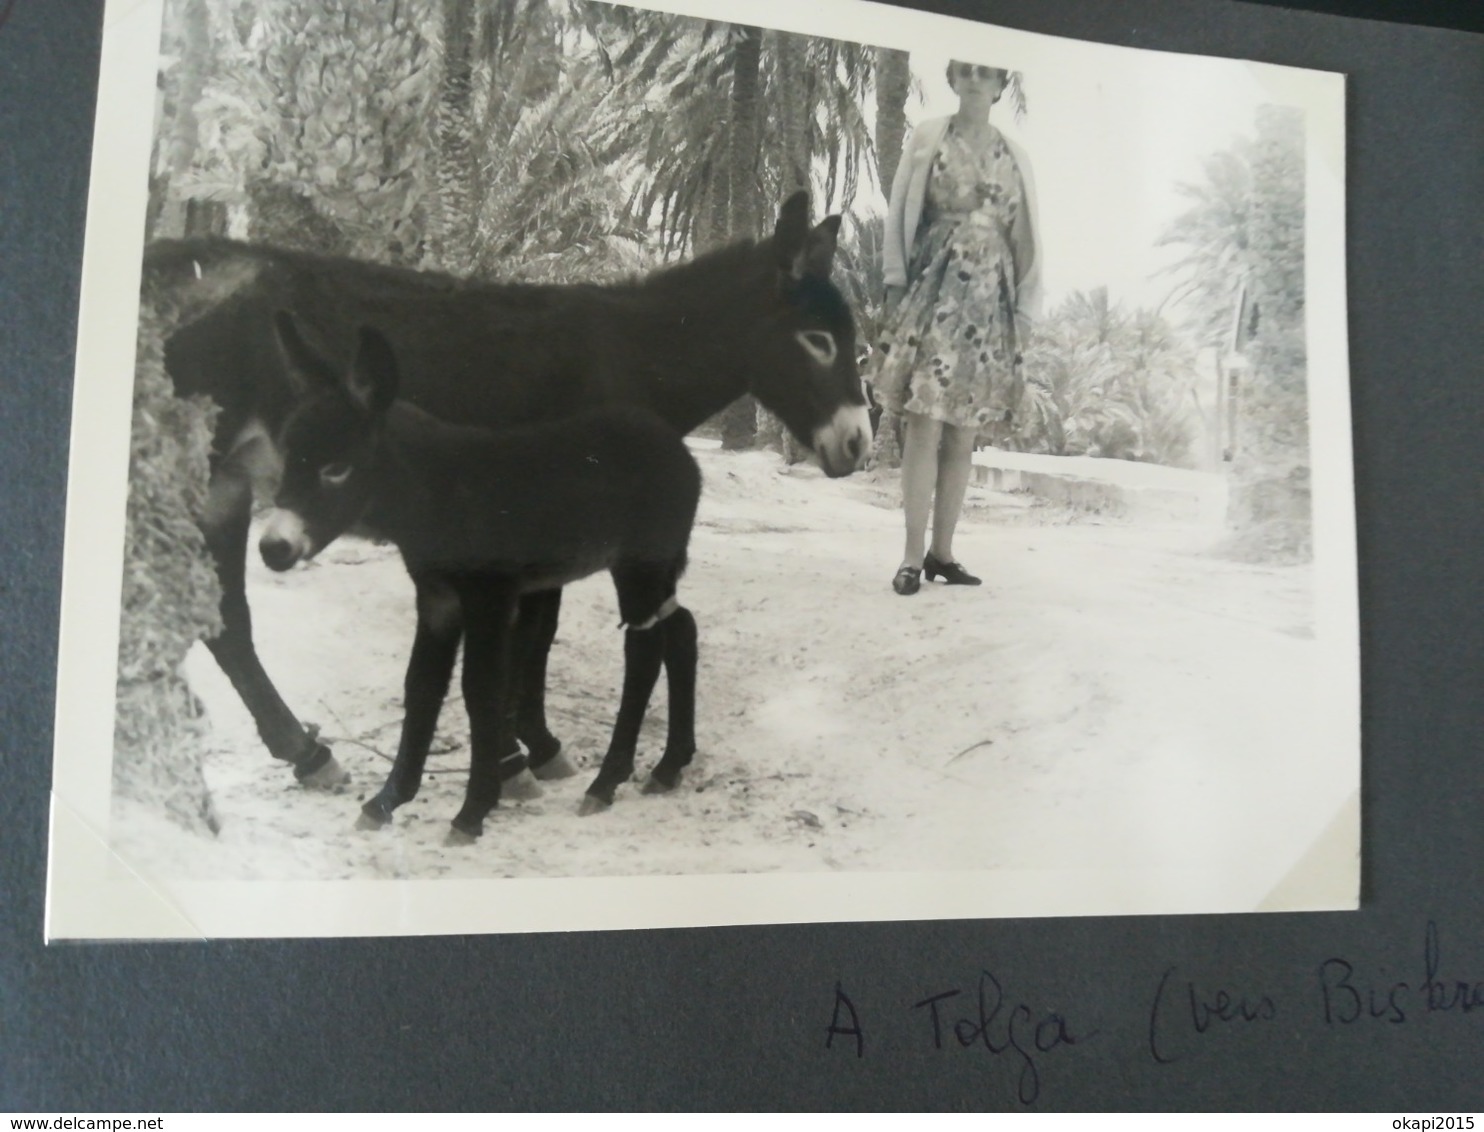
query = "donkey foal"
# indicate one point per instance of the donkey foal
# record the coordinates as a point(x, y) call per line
point(482, 517)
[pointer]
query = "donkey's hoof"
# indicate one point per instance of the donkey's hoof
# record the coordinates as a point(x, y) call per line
point(521, 787)
point(320, 771)
point(375, 814)
point(541, 743)
point(456, 837)
point(661, 781)
point(593, 804)
point(462, 831)
point(558, 766)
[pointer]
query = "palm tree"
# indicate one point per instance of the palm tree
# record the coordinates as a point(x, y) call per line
point(553, 157)
point(843, 139)
point(1214, 232)
point(1245, 226)
point(312, 119)
point(1105, 382)
point(315, 124)
point(809, 127)
point(1070, 370)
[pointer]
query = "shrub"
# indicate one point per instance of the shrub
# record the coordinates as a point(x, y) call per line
point(170, 587)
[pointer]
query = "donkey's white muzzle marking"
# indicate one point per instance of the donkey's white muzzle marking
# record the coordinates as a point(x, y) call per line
point(285, 541)
point(844, 443)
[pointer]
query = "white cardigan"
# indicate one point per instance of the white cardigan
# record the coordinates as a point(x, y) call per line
point(909, 189)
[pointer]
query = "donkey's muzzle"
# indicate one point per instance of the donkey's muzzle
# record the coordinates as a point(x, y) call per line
point(284, 541)
point(843, 445)
point(278, 554)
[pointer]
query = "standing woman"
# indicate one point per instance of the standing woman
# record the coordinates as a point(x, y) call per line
point(961, 267)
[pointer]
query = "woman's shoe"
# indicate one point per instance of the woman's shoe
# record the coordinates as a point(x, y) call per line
point(908, 581)
point(950, 572)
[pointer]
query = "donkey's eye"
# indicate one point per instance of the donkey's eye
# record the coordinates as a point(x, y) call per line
point(333, 475)
point(819, 344)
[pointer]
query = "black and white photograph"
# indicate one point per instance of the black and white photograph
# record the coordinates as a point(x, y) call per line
point(555, 464)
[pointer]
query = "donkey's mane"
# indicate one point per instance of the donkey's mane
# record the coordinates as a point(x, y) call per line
point(731, 260)
point(173, 261)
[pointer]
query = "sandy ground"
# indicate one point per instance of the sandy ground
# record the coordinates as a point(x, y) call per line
point(1116, 695)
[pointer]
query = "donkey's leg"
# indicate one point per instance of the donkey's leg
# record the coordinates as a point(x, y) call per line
point(681, 652)
point(228, 513)
point(537, 631)
point(531, 643)
point(513, 761)
point(489, 613)
point(517, 772)
point(643, 653)
point(429, 670)
point(645, 596)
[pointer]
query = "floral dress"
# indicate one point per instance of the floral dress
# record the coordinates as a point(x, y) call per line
point(949, 350)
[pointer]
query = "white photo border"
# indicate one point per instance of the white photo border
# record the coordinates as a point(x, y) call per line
point(93, 894)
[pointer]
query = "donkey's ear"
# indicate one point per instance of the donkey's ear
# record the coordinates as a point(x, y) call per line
point(791, 233)
point(306, 367)
point(372, 380)
point(819, 249)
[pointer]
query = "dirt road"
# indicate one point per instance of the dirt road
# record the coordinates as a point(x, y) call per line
point(1114, 697)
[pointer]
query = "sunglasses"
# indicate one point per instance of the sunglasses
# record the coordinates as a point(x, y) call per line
point(974, 71)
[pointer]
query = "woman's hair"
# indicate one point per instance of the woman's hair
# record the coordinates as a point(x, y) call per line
point(955, 64)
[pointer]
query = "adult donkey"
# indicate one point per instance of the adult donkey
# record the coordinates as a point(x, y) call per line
point(758, 316)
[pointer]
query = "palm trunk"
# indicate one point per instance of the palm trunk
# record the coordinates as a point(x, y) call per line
point(886, 449)
point(793, 98)
point(454, 222)
point(746, 196)
point(893, 81)
point(169, 211)
point(739, 421)
point(795, 105)
point(713, 218)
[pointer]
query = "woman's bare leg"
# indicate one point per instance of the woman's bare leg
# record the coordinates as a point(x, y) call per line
point(955, 459)
point(920, 471)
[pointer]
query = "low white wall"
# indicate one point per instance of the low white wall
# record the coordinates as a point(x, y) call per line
point(1115, 487)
